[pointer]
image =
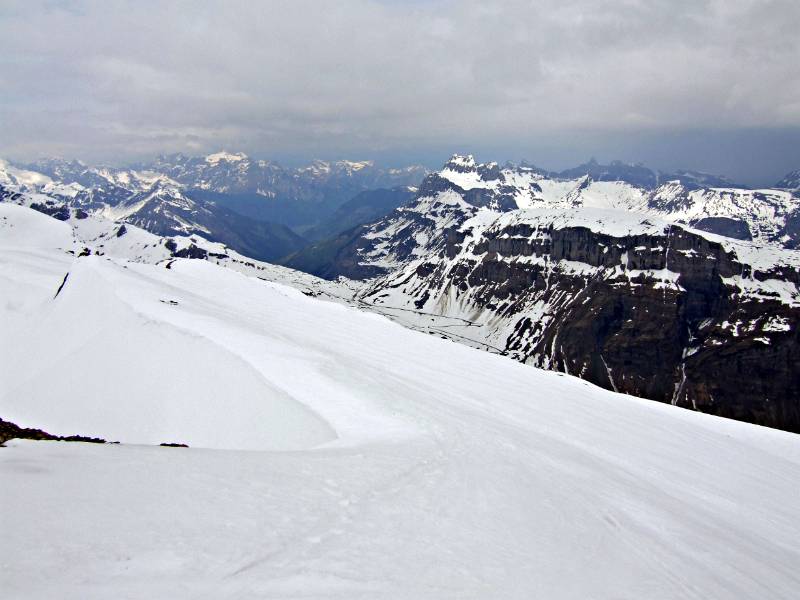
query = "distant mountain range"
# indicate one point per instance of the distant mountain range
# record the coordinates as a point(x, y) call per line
point(680, 287)
point(636, 174)
point(767, 216)
point(256, 207)
point(301, 198)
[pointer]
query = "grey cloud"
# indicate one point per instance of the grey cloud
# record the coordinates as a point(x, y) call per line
point(118, 80)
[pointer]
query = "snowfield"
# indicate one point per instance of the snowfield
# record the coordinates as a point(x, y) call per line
point(336, 454)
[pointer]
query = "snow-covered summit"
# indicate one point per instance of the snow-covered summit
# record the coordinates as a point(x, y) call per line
point(461, 162)
point(223, 156)
point(324, 168)
point(356, 165)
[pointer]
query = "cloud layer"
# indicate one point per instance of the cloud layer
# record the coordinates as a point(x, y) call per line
point(125, 79)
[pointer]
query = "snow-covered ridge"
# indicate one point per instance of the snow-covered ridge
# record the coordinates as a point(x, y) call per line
point(766, 215)
point(356, 165)
point(135, 180)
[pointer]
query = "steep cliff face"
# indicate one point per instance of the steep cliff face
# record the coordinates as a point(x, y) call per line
point(672, 324)
point(627, 302)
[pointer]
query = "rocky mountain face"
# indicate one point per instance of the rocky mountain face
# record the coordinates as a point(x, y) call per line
point(619, 284)
point(224, 172)
point(646, 308)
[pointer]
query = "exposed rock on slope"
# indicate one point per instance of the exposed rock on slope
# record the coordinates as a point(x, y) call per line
point(10, 431)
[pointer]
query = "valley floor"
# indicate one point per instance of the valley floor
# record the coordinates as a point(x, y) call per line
point(336, 454)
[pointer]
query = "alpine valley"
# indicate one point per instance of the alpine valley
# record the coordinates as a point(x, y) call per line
point(676, 287)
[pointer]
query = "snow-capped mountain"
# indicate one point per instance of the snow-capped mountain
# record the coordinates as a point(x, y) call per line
point(762, 215)
point(162, 207)
point(237, 173)
point(693, 180)
point(101, 178)
point(335, 454)
point(303, 198)
point(463, 186)
point(636, 174)
point(618, 284)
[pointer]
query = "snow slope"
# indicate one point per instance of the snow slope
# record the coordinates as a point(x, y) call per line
point(91, 359)
point(387, 463)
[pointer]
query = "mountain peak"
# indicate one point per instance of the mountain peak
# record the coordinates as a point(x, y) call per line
point(355, 165)
point(223, 156)
point(461, 161)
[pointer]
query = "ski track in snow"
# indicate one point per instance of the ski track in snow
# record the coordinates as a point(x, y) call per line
point(341, 455)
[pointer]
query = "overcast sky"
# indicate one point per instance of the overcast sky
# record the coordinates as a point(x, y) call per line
point(702, 84)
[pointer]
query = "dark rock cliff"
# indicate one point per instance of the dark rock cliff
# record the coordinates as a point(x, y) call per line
point(662, 316)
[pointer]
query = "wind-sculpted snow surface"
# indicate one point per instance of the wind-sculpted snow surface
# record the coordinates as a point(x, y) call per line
point(100, 353)
point(419, 468)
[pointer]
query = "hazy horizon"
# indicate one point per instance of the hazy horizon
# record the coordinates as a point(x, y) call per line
point(433, 160)
point(709, 86)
